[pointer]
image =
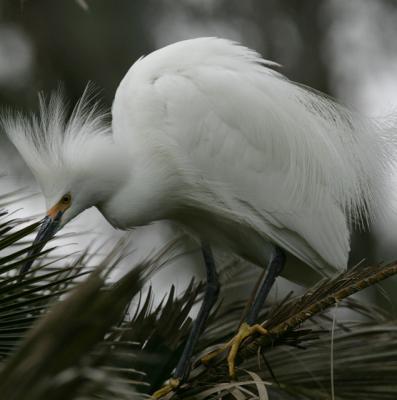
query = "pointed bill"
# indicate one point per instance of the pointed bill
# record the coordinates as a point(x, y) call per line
point(48, 228)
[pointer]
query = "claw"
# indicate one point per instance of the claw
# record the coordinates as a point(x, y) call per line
point(244, 331)
point(172, 384)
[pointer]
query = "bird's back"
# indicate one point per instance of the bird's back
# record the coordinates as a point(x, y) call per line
point(263, 157)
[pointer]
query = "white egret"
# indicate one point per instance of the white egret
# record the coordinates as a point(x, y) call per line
point(205, 133)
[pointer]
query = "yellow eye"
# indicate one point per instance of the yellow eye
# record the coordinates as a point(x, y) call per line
point(66, 199)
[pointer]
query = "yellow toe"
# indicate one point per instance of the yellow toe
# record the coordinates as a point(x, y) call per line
point(244, 332)
point(172, 384)
point(233, 345)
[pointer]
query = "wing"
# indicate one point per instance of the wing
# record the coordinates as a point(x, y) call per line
point(294, 164)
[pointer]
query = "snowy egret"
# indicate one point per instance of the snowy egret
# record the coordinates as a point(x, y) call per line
point(207, 134)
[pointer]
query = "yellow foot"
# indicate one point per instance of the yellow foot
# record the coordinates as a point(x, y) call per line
point(233, 345)
point(244, 332)
point(172, 384)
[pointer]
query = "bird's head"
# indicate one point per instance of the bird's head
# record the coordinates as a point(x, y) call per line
point(70, 158)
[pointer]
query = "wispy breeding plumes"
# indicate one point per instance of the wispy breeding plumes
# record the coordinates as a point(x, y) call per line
point(57, 139)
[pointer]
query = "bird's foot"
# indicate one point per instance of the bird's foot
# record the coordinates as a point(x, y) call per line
point(233, 345)
point(172, 384)
point(243, 333)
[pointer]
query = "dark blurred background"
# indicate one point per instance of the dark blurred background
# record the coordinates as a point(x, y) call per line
point(44, 42)
point(347, 49)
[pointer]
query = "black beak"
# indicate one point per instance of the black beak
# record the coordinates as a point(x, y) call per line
point(47, 230)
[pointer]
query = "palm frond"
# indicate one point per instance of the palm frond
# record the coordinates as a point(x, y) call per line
point(51, 359)
point(22, 302)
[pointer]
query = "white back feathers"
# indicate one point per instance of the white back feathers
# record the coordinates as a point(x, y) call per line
point(304, 166)
point(317, 142)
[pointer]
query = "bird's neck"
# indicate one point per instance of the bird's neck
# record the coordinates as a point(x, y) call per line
point(105, 170)
point(145, 192)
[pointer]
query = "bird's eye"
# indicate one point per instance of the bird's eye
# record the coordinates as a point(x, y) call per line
point(66, 199)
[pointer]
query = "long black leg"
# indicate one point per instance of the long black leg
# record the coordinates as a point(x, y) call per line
point(274, 269)
point(210, 297)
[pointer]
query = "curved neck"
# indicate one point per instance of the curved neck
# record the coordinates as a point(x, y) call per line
point(147, 192)
point(108, 170)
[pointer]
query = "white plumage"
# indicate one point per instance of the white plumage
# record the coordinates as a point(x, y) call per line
point(207, 134)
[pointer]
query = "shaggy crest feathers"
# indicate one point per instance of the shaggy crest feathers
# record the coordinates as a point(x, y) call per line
point(52, 143)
